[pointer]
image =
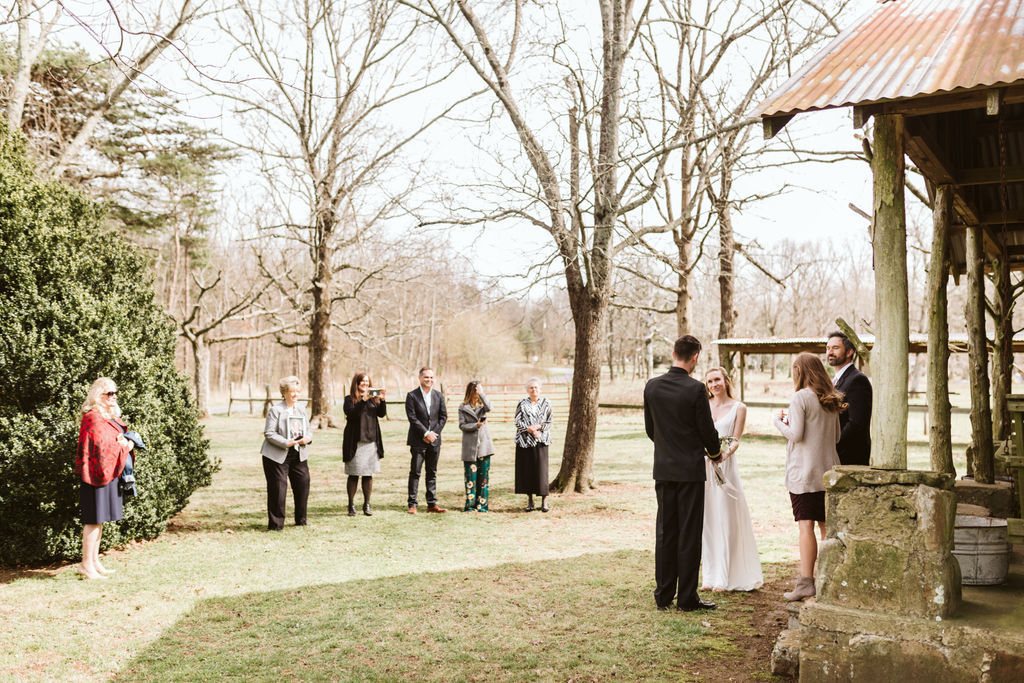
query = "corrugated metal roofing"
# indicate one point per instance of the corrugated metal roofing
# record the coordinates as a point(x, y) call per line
point(904, 48)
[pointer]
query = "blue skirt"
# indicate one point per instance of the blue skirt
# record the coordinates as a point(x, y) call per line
point(101, 503)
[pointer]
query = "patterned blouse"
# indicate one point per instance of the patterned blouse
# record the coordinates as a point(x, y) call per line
point(529, 413)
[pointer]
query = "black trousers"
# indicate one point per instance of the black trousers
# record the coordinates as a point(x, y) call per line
point(420, 457)
point(278, 476)
point(677, 545)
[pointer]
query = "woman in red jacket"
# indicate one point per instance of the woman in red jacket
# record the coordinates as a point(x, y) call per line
point(102, 451)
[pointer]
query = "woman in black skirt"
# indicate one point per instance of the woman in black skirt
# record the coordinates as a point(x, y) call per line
point(533, 436)
point(102, 452)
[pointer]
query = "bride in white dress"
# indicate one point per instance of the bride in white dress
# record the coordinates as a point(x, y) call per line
point(728, 549)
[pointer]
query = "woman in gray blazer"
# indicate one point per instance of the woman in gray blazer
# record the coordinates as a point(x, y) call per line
point(287, 434)
point(812, 429)
point(477, 447)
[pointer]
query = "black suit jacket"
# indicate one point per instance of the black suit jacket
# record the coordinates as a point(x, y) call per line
point(677, 416)
point(854, 445)
point(420, 423)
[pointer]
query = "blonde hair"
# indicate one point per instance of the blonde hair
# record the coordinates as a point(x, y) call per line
point(288, 382)
point(92, 399)
point(725, 376)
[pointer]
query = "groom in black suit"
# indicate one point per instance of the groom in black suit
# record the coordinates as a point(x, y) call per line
point(677, 416)
point(854, 445)
point(424, 406)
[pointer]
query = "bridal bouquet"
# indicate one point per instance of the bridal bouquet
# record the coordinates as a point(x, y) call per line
point(725, 442)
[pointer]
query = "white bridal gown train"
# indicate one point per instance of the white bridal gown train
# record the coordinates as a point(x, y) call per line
point(728, 550)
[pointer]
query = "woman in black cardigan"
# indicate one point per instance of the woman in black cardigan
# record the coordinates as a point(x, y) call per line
point(361, 445)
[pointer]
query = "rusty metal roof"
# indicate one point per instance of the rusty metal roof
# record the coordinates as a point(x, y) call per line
point(907, 48)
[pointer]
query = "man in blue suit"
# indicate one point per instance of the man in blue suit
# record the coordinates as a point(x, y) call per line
point(424, 406)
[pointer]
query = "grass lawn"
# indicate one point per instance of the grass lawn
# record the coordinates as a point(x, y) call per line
point(506, 595)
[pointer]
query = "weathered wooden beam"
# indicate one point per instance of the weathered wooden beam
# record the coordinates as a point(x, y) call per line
point(889, 359)
point(861, 114)
point(977, 352)
point(957, 100)
point(939, 426)
point(773, 125)
point(993, 98)
point(989, 175)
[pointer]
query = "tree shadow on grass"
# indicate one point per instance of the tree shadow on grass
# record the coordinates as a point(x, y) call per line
point(585, 617)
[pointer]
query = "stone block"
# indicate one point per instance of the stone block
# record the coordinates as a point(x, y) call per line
point(997, 497)
point(785, 658)
point(890, 542)
point(840, 644)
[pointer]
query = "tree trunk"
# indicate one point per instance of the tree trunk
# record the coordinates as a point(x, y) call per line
point(939, 429)
point(683, 286)
point(611, 346)
point(201, 376)
point(577, 470)
point(320, 325)
point(726, 276)
point(892, 316)
point(1002, 363)
point(977, 353)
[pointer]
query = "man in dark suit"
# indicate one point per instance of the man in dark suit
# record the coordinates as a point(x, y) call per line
point(677, 416)
point(424, 406)
point(854, 445)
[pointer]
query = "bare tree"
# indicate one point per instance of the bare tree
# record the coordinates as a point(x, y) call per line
point(585, 179)
point(712, 61)
point(331, 79)
point(130, 48)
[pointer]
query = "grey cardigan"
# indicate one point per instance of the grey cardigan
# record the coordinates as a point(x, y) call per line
point(812, 435)
point(476, 442)
point(275, 431)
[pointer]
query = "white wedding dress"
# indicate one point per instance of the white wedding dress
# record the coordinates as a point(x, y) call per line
point(728, 549)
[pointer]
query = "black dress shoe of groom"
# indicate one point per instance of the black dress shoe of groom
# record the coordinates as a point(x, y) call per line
point(700, 604)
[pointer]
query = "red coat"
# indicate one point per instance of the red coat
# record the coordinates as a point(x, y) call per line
point(100, 457)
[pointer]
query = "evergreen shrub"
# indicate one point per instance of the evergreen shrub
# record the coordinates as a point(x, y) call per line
point(76, 303)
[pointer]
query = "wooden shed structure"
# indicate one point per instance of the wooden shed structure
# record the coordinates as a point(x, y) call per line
point(943, 81)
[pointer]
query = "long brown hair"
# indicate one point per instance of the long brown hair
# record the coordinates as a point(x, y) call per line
point(809, 372)
point(472, 397)
point(356, 381)
point(725, 377)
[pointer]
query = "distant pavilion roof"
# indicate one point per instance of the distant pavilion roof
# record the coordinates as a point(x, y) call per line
point(918, 344)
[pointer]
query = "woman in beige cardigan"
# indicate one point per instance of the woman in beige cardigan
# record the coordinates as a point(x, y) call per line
point(812, 430)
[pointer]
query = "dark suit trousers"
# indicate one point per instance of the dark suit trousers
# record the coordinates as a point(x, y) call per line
point(278, 476)
point(677, 548)
point(429, 457)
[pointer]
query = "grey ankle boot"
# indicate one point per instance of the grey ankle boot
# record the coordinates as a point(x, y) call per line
point(804, 589)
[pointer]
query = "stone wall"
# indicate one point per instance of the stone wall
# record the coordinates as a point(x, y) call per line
point(890, 542)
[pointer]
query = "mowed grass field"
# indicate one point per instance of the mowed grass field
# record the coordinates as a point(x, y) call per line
point(506, 595)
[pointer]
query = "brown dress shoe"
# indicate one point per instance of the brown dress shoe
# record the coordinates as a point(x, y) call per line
point(412, 509)
point(436, 508)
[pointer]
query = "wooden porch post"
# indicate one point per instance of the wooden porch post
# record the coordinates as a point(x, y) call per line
point(977, 352)
point(889, 357)
point(938, 420)
point(1002, 348)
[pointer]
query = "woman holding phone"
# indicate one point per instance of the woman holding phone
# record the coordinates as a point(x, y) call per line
point(361, 445)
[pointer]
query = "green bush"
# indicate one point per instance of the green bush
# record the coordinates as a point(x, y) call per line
point(76, 303)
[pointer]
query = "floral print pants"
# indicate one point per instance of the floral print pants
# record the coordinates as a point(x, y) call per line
point(476, 484)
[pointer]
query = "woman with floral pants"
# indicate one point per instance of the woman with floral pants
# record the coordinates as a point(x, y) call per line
point(477, 447)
